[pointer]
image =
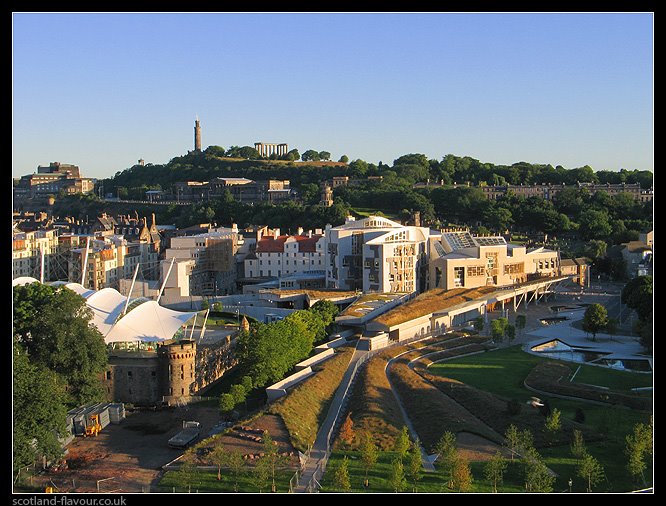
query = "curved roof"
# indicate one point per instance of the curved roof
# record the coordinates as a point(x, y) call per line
point(107, 304)
point(145, 320)
point(75, 287)
point(148, 322)
point(24, 280)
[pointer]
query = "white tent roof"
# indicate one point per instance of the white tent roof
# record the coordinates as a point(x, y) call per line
point(107, 304)
point(148, 322)
point(24, 280)
point(75, 287)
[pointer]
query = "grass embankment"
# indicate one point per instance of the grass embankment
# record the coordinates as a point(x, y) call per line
point(433, 482)
point(305, 407)
point(372, 404)
point(503, 372)
point(424, 402)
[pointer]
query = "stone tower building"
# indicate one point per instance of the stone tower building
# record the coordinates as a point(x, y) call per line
point(177, 369)
point(197, 135)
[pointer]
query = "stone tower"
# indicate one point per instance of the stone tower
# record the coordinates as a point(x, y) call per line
point(176, 362)
point(197, 135)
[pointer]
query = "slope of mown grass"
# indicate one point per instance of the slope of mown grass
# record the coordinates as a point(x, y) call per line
point(432, 482)
point(305, 407)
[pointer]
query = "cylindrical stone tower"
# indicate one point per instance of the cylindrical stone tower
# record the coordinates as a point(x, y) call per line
point(177, 369)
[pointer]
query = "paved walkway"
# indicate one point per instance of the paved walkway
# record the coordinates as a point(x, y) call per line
point(316, 464)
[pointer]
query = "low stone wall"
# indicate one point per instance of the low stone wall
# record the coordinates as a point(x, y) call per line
point(316, 359)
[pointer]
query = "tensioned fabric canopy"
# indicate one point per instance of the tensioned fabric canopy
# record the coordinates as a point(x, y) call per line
point(146, 322)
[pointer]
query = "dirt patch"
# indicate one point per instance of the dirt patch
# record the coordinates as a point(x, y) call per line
point(128, 456)
point(246, 438)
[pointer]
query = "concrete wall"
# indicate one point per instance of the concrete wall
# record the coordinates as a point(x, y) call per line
point(279, 389)
point(316, 359)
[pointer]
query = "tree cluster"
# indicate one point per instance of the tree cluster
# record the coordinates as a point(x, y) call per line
point(59, 358)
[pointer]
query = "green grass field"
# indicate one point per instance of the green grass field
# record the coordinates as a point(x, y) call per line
point(206, 481)
point(502, 372)
point(622, 381)
point(429, 483)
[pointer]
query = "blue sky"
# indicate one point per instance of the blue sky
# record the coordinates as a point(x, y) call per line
point(103, 90)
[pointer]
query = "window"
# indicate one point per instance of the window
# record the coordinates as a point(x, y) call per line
point(108, 375)
point(129, 374)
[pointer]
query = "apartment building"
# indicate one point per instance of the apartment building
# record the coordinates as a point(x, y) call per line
point(376, 254)
point(278, 255)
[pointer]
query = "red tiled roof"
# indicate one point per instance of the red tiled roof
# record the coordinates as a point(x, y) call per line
point(271, 244)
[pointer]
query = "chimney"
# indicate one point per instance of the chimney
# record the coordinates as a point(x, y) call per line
point(299, 231)
point(276, 233)
point(309, 233)
point(153, 224)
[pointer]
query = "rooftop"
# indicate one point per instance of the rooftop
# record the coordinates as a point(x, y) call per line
point(430, 302)
point(369, 302)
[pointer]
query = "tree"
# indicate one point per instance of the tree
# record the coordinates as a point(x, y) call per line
point(238, 393)
point(397, 475)
point(310, 155)
point(594, 224)
point(324, 155)
point(578, 444)
point(498, 328)
point(38, 411)
point(272, 457)
point(246, 381)
point(260, 474)
point(510, 332)
point(595, 319)
point(525, 441)
point(494, 470)
point(538, 477)
point(638, 446)
point(520, 322)
point(637, 294)
point(415, 463)
point(293, 155)
point(53, 326)
point(512, 437)
point(344, 159)
point(591, 470)
point(227, 404)
point(402, 442)
point(553, 423)
point(341, 477)
point(445, 448)
point(236, 464)
point(462, 475)
point(217, 307)
point(188, 474)
point(369, 455)
point(218, 457)
point(347, 433)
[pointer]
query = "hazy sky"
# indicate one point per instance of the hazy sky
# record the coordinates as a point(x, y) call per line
point(103, 90)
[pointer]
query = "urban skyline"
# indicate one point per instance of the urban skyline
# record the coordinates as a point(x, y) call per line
point(565, 89)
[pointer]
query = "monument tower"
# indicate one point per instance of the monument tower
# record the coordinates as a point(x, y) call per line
point(197, 135)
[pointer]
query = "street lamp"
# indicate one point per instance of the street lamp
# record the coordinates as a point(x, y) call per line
point(570, 483)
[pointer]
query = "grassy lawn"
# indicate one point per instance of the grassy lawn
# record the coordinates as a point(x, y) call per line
point(305, 407)
point(512, 365)
point(502, 372)
point(429, 483)
point(206, 481)
point(364, 212)
point(622, 381)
